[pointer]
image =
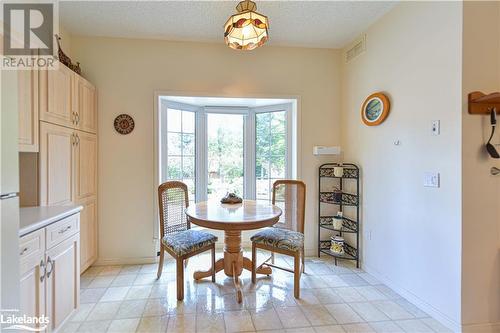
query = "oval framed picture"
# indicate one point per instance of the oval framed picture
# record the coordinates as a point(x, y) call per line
point(124, 124)
point(375, 109)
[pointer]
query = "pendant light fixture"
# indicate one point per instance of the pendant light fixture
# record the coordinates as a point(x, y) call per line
point(247, 29)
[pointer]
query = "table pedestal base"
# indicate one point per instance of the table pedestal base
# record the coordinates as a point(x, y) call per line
point(233, 262)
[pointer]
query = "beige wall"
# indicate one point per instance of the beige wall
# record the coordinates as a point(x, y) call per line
point(414, 55)
point(127, 73)
point(481, 191)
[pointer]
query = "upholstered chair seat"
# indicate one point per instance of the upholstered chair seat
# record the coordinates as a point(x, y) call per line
point(187, 241)
point(280, 238)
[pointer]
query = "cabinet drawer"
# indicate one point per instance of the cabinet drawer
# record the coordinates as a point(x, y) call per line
point(59, 231)
point(32, 245)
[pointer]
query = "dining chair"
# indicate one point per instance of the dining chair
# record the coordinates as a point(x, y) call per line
point(178, 239)
point(287, 235)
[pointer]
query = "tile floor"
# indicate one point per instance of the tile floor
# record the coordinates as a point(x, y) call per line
point(333, 299)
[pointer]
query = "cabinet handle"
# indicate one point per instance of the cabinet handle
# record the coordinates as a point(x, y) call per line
point(23, 251)
point(42, 266)
point(73, 139)
point(49, 271)
point(62, 231)
point(77, 139)
point(77, 118)
point(73, 117)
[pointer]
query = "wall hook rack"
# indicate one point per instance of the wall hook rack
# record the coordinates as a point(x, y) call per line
point(480, 103)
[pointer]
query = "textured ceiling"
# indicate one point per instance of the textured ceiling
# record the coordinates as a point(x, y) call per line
point(324, 24)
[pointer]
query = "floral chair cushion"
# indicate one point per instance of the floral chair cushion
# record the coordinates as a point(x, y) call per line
point(280, 238)
point(187, 241)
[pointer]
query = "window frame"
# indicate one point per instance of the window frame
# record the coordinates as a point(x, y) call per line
point(249, 137)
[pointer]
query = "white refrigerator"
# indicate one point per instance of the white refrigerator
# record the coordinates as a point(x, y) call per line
point(9, 188)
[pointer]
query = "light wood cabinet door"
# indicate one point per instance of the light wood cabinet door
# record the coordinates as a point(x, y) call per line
point(63, 280)
point(28, 110)
point(85, 174)
point(55, 89)
point(88, 233)
point(56, 164)
point(32, 272)
point(85, 105)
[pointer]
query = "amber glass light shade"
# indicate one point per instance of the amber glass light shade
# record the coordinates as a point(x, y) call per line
point(246, 30)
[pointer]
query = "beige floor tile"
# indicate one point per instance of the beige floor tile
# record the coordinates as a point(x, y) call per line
point(92, 295)
point(349, 294)
point(82, 313)
point(182, 323)
point(210, 323)
point(103, 311)
point(343, 313)
point(155, 324)
point(386, 327)
point(414, 326)
point(148, 268)
point(131, 309)
point(318, 315)
point(138, 292)
point(370, 293)
point(391, 294)
point(145, 279)
point(307, 297)
point(69, 327)
point(155, 307)
point(353, 280)
point(110, 270)
point(333, 281)
point(85, 281)
point(292, 316)
point(160, 291)
point(114, 294)
point(265, 319)
point(358, 328)
point(327, 296)
point(300, 330)
point(369, 278)
point(94, 326)
point(436, 325)
point(368, 311)
point(186, 306)
point(130, 269)
point(415, 311)
point(393, 310)
point(92, 271)
point(329, 329)
point(238, 321)
point(124, 325)
point(123, 280)
point(313, 282)
point(257, 301)
point(101, 281)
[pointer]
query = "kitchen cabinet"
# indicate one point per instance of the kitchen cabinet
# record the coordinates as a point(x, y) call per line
point(85, 105)
point(88, 233)
point(85, 166)
point(50, 271)
point(56, 164)
point(28, 110)
point(56, 95)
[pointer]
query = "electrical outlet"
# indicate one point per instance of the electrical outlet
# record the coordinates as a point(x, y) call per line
point(436, 127)
point(431, 179)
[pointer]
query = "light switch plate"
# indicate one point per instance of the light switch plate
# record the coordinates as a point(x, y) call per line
point(431, 179)
point(436, 127)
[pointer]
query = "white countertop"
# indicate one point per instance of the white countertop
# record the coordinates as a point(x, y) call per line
point(34, 218)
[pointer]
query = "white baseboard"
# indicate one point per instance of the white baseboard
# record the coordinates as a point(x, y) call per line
point(423, 305)
point(481, 328)
point(125, 261)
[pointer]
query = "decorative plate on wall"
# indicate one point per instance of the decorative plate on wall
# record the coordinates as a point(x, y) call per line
point(375, 109)
point(124, 124)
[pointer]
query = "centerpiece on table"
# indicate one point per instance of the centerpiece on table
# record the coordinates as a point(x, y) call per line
point(231, 198)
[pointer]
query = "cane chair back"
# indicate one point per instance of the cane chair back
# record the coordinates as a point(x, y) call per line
point(173, 200)
point(290, 196)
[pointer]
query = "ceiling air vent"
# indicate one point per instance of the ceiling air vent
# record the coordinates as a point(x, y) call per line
point(356, 48)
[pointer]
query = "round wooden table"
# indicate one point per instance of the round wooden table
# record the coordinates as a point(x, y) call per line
point(233, 219)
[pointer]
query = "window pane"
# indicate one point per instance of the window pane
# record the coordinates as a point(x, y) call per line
point(188, 144)
point(191, 189)
point(225, 154)
point(174, 120)
point(174, 146)
point(174, 171)
point(188, 122)
point(188, 167)
point(270, 150)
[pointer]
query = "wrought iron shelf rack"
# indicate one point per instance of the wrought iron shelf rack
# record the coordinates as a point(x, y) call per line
point(348, 204)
